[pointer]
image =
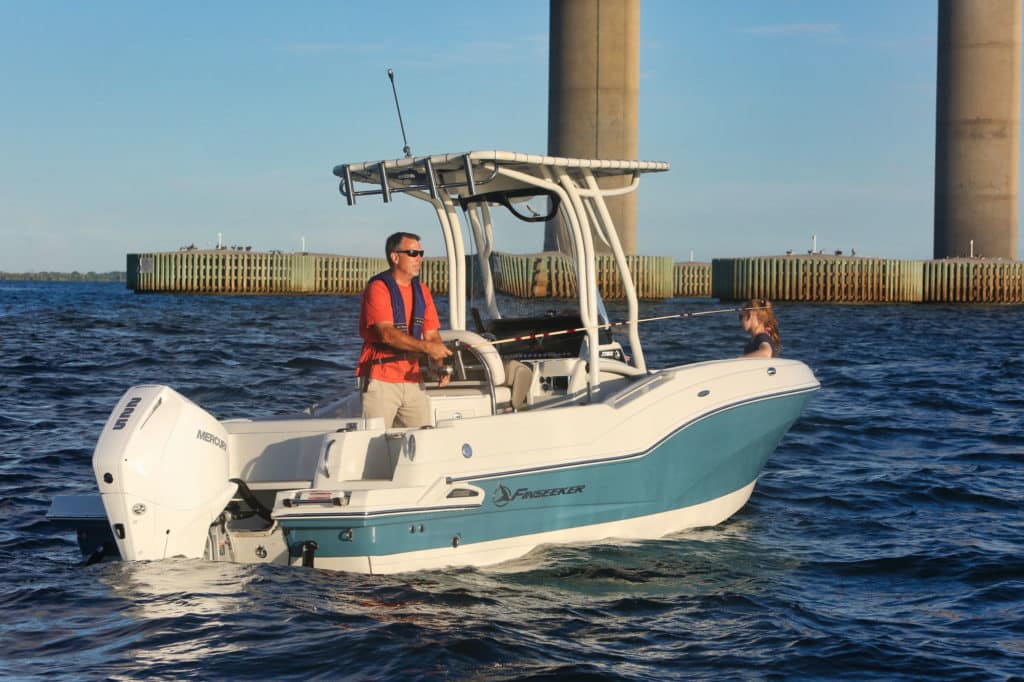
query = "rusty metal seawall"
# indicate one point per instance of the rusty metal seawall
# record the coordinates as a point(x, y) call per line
point(551, 275)
point(847, 279)
point(963, 280)
point(817, 278)
point(224, 271)
point(811, 278)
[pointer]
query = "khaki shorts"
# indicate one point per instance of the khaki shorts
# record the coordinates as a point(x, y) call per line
point(398, 404)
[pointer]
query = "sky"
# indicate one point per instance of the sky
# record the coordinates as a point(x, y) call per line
point(132, 127)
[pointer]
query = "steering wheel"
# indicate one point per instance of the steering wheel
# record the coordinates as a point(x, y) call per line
point(482, 353)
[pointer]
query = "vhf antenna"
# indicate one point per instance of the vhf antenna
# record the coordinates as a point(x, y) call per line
point(408, 152)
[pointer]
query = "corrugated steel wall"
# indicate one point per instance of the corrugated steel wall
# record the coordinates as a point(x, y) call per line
point(817, 278)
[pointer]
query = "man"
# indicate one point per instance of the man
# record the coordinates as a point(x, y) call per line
point(398, 322)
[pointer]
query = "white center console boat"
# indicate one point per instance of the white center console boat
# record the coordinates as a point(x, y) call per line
point(546, 438)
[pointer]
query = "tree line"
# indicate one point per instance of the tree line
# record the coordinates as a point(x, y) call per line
point(65, 276)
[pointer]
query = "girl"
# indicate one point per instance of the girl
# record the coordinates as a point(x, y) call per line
point(759, 321)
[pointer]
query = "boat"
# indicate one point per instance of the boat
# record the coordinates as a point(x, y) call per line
point(552, 428)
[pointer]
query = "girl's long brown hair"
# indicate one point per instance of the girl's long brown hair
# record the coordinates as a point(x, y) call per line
point(761, 309)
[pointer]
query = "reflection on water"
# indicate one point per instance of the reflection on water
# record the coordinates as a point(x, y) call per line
point(178, 587)
point(180, 609)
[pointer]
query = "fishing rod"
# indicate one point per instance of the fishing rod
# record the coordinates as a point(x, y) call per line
point(569, 330)
point(606, 325)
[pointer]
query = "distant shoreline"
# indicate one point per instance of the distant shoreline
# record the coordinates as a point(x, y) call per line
point(64, 276)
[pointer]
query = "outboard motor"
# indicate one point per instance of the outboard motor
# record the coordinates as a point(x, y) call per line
point(162, 468)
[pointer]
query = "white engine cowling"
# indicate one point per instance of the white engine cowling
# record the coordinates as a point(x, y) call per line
point(162, 468)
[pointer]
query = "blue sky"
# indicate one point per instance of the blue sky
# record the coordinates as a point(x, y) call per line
point(145, 126)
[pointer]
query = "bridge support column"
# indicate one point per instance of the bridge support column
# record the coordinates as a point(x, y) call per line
point(593, 93)
point(977, 131)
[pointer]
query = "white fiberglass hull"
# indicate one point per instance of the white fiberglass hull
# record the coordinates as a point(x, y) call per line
point(661, 453)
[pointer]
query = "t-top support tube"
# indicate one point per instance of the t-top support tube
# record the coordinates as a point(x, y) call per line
point(453, 248)
point(457, 275)
point(596, 197)
point(588, 255)
point(478, 217)
point(586, 283)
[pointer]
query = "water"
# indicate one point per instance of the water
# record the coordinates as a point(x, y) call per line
point(885, 539)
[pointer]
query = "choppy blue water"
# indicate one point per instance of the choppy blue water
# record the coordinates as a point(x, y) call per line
point(885, 539)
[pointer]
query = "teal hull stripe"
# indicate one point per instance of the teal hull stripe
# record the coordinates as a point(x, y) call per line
point(631, 455)
point(530, 470)
point(709, 458)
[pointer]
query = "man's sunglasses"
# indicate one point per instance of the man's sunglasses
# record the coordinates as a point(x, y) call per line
point(411, 253)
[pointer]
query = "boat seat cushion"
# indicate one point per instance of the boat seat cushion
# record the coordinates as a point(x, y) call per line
point(502, 395)
point(520, 378)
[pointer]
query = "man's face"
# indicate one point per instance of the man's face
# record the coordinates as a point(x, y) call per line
point(402, 262)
